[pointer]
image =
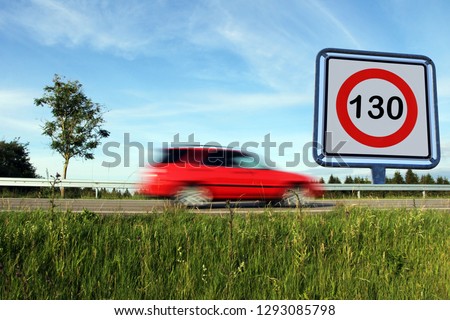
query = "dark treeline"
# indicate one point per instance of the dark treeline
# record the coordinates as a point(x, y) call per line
point(410, 177)
point(70, 193)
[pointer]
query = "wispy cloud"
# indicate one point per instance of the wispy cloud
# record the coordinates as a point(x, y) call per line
point(337, 26)
point(212, 103)
point(13, 99)
point(19, 113)
point(277, 42)
point(128, 27)
point(279, 57)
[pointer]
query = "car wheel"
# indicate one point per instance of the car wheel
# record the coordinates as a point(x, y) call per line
point(193, 196)
point(294, 197)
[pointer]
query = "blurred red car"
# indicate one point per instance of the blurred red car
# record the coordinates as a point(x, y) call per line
point(199, 175)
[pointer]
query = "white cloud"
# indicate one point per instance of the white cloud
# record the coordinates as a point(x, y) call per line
point(12, 99)
point(20, 117)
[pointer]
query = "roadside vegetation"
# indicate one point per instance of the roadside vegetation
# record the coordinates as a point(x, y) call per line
point(349, 253)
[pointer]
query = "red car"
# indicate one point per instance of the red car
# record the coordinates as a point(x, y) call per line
point(199, 175)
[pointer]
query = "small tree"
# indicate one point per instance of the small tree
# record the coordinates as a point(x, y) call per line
point(427, 179)
point(411, 177)
point(397, 179)
point(442, 180)
point(76, 127)
point(333, 179)
point(15, 160)
point(361, 180)
point(349, 180)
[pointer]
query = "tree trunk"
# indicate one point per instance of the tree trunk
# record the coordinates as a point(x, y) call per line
point(64, 175)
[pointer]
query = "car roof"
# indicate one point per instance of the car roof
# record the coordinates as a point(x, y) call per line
point(201, 147)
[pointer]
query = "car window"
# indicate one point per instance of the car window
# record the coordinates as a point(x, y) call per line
point(247, 161)
point(215, 158)
point(212, 157)
point(173, 155)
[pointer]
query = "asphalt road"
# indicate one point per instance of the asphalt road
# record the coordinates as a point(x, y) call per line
point(105, 206)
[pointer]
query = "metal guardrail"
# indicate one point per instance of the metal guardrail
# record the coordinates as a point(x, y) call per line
point(357, 188)
point(31, 182)
point(96, 185)
point(386, 187)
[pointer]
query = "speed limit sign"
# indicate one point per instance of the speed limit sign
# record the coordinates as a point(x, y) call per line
point(375, 109)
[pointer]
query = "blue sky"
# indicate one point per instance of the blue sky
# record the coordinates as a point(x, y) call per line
point(225, 71)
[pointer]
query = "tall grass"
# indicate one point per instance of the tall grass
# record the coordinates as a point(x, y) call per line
point(350, 253)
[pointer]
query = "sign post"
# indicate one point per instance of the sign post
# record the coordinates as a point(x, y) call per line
point(375, 110)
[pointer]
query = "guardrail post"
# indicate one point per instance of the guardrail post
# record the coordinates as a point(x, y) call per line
point(96, 193)
point(424, 194)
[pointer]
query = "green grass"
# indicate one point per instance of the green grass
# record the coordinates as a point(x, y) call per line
point(350, 253)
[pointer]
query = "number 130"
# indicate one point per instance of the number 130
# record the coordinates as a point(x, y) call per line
point(377, 107)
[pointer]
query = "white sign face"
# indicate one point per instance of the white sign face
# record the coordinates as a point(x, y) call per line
point(375, 109)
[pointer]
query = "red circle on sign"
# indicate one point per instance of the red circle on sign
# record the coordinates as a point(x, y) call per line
point(367, 139)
